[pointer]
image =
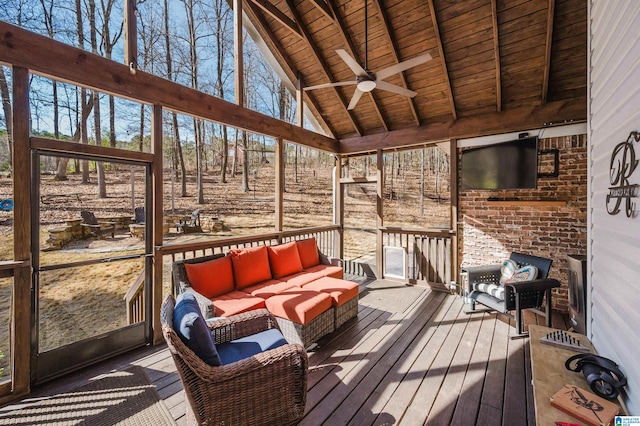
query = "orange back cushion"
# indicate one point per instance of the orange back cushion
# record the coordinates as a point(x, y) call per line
point(211, 278)
point(284, 259)
point(308, 251)
point(250, 266)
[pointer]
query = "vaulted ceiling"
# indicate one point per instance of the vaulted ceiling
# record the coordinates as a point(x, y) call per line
point(496, 63)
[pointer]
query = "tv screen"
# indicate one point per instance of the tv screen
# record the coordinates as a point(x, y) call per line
point(507, 165)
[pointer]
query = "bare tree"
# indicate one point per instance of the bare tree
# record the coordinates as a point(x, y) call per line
point(8, 114)
point(221, 24)
point(97, 132)
point(193, 68)
point(87, 106)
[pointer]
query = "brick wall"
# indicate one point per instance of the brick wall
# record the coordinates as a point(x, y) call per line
point(487, 232)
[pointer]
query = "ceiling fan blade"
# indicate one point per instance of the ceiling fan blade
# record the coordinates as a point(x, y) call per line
point(383, 85)
point(339, 83)
point(402, 66)
point(355, 98)
point(352, 63)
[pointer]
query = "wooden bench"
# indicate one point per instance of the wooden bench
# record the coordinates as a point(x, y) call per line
point(549, 375)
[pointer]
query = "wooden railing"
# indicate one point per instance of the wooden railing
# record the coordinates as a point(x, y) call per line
point(134, 300)
point(428, 255)
point(324, 235)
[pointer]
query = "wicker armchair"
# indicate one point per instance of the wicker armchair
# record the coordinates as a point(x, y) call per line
point(479, 283)
point(267, 389)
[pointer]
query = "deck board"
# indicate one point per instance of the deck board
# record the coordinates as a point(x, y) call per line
point(423, 362)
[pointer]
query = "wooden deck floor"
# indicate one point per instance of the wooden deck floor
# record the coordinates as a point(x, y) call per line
point(411, 357)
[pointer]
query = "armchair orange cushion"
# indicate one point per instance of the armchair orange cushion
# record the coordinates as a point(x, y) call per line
point(211, 278)
point(308, 251)
point(284, 259)
point(250, 266)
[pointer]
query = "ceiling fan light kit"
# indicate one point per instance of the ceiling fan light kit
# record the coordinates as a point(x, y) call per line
point(366, 80)
point(366, 84)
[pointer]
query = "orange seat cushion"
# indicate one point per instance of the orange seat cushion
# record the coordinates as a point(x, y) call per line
point(236, 302)
point(250, 266)
point(308, 251)
point(211, 278)
point(302, 278)
point(284, 259)
point(341, 291)
point(267, 289)
point(326, 271)
point(298, 305)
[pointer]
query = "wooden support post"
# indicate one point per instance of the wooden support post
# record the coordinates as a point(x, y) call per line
point(338, 209)
point(453, 190)
point(22, 297)
point(158, 219)
point(379, 212)
point(279, 148)
point(130, 35)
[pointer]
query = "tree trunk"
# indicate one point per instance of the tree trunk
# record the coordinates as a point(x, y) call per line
point(141, 141)
point(197, 124)
point(234, 163)
point(112, 123)
point(225, 155)
point(295, 164)
point(183, 170)
point(61, 173)
point(8, 113)
point(245, 162)
point(97, 131)
point(84, 135)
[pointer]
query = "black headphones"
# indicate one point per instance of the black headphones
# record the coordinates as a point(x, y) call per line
point(602, 374)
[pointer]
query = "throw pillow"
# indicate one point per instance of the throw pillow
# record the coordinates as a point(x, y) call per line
point(308, 251)
point(526, 273)
point(284, 259)
point(192, 329)
point(250, 266)
point(212, 278)
point(507, 270)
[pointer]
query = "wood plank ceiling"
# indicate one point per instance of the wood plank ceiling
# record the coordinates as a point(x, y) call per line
point(491, 59)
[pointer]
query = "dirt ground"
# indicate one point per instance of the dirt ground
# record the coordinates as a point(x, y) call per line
point(69, 296)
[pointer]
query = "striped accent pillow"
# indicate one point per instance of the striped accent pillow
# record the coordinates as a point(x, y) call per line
point(495, 290)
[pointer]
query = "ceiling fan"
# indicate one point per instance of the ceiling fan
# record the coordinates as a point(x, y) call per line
point(366, 80)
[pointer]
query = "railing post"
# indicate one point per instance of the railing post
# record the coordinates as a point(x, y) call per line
point(338, 209)
point(379, 212)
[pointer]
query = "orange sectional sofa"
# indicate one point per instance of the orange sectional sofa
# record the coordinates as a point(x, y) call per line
point(302, 288)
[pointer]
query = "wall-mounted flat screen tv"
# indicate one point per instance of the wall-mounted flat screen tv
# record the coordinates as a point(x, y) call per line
point(506, 165)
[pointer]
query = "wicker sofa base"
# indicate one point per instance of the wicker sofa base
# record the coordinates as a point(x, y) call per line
point(345, 312)
point(307, 334)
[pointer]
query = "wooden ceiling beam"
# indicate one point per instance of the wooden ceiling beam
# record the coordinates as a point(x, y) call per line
point(62, 62)
point(285, 62)
point(436, 33)
point(323, 64)
point(547, 53)
point(524, 118)
point(352, 51)
point(394, 50)
point(496, 53)
point(276, 14)
point(322, 6)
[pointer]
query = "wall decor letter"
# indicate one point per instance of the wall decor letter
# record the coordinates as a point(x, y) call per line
point(623, 164)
